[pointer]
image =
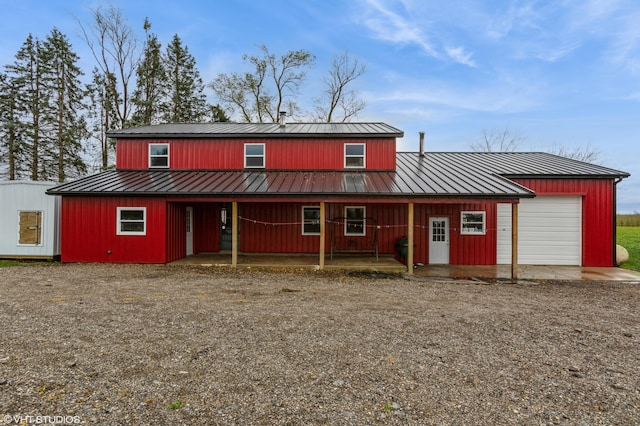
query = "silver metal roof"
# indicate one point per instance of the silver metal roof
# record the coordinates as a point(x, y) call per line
point(236, 130)
point(434, 175)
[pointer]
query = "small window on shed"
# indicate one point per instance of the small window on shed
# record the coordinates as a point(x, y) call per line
point(30, 232)
point(354, 155)
point(132, 221)
point(254, 156)
point(158, 155)
point(310, 220)
point(473, 223)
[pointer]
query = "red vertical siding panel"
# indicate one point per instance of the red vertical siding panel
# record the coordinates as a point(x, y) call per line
point(597, 213)
point(88, 231)
point(176, 231)
point(206, 227)
point(280, 154)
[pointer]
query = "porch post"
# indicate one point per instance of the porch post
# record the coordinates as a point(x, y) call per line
point(234, 234)
point(410, 242)
point(322, 233)
point(514, 241)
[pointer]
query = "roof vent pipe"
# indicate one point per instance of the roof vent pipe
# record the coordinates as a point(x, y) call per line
point(283, 118)
point(421, 144)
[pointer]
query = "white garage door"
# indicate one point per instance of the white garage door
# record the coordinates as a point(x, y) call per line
point(549, 231)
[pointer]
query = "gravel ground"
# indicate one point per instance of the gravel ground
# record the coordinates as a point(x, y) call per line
point(157, 345)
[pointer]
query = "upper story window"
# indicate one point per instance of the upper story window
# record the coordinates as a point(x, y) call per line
point(132, 221)
point(254, 156)
point(159, 156)
point(354, 222)
point(354, 155)
point(473, 223)
point(310, 220)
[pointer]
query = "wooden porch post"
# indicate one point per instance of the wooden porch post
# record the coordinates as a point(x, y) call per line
point(410, 242)
point(234, 234)
point(322, 234)
point(514, 241)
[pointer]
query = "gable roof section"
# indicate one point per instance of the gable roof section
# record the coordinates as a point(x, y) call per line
point(263, 130)
point(434, 175)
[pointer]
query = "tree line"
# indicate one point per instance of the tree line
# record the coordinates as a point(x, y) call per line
point(53, 123)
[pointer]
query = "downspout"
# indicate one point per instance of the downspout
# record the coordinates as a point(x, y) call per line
point(615, 220)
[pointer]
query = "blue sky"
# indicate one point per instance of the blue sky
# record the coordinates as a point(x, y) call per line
point(558, 73)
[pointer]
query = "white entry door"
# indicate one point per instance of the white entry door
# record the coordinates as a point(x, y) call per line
point(189, 231)
point(439, 240)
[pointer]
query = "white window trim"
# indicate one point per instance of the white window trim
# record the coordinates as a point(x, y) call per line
point(303, 219)
point(364, 221)
point(263, 156)
point(160, 156)
point(467, 231)
point(364, 155)
point(119, 230)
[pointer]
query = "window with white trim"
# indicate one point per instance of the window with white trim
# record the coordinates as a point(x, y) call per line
point(354, 155)
point(132, 221)
point(355, 220)
point(310, 220)
point(473, 223)
point(159, 156)
point(254, 156)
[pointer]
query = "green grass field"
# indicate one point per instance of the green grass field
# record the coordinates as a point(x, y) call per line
point(629, 238)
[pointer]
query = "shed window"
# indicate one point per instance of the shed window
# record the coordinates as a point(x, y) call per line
point(473, 223)
point(354, 155)
point(158, 155)
point(30, 228)
point(132, 221)
point(254, 156)
point(310, 220)
point(354, 222)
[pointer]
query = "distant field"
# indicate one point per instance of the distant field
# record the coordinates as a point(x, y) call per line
point(629, 238)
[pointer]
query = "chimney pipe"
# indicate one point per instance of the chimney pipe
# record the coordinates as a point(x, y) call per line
point(283, 118)
point(421, 144)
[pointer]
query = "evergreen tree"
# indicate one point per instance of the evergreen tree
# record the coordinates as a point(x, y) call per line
point(185, 100)
point(26, 76)
point(63, 118)
point(150, 83)
point(11, 146)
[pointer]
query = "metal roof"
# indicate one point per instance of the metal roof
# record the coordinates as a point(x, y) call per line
point(438, 175)
point(265, 130)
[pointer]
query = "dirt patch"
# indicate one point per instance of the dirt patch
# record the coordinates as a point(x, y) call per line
point(149, 345)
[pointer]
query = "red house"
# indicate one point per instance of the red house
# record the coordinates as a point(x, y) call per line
point(329, 189)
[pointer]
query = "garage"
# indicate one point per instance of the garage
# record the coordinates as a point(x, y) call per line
point(549, 231)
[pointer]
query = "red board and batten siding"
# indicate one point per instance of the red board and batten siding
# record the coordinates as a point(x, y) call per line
point(598, 213)
point(281, 154)
point(89, 231)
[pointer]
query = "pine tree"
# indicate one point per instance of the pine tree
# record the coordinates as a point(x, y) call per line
point(63, 120)
point(185, 100)
point(11, 146)
point(150, 83)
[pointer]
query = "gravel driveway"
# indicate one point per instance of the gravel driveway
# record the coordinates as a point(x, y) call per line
point(157, 345)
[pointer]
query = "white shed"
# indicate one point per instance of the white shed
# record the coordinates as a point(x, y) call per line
point(29, 221)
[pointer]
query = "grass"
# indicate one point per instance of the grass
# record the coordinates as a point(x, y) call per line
point(6, 263)
point(629, 238)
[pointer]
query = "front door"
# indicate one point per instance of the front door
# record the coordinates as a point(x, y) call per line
point(439, 241)
point(226, 233)
point(189, 231)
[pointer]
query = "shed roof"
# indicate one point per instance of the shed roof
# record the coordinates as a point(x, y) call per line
point(265, 130)
point(438, 175)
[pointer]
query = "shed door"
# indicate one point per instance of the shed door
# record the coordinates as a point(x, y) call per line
point(30, 231)
point(549, 231)
point(438, 240)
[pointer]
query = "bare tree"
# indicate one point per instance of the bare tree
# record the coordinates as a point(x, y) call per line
point(586, 153)
point(115, 50)
point(498, 140)
point(261, 94)
point(336, 96)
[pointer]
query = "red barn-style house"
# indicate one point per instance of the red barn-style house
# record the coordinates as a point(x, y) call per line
point(334, 189)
